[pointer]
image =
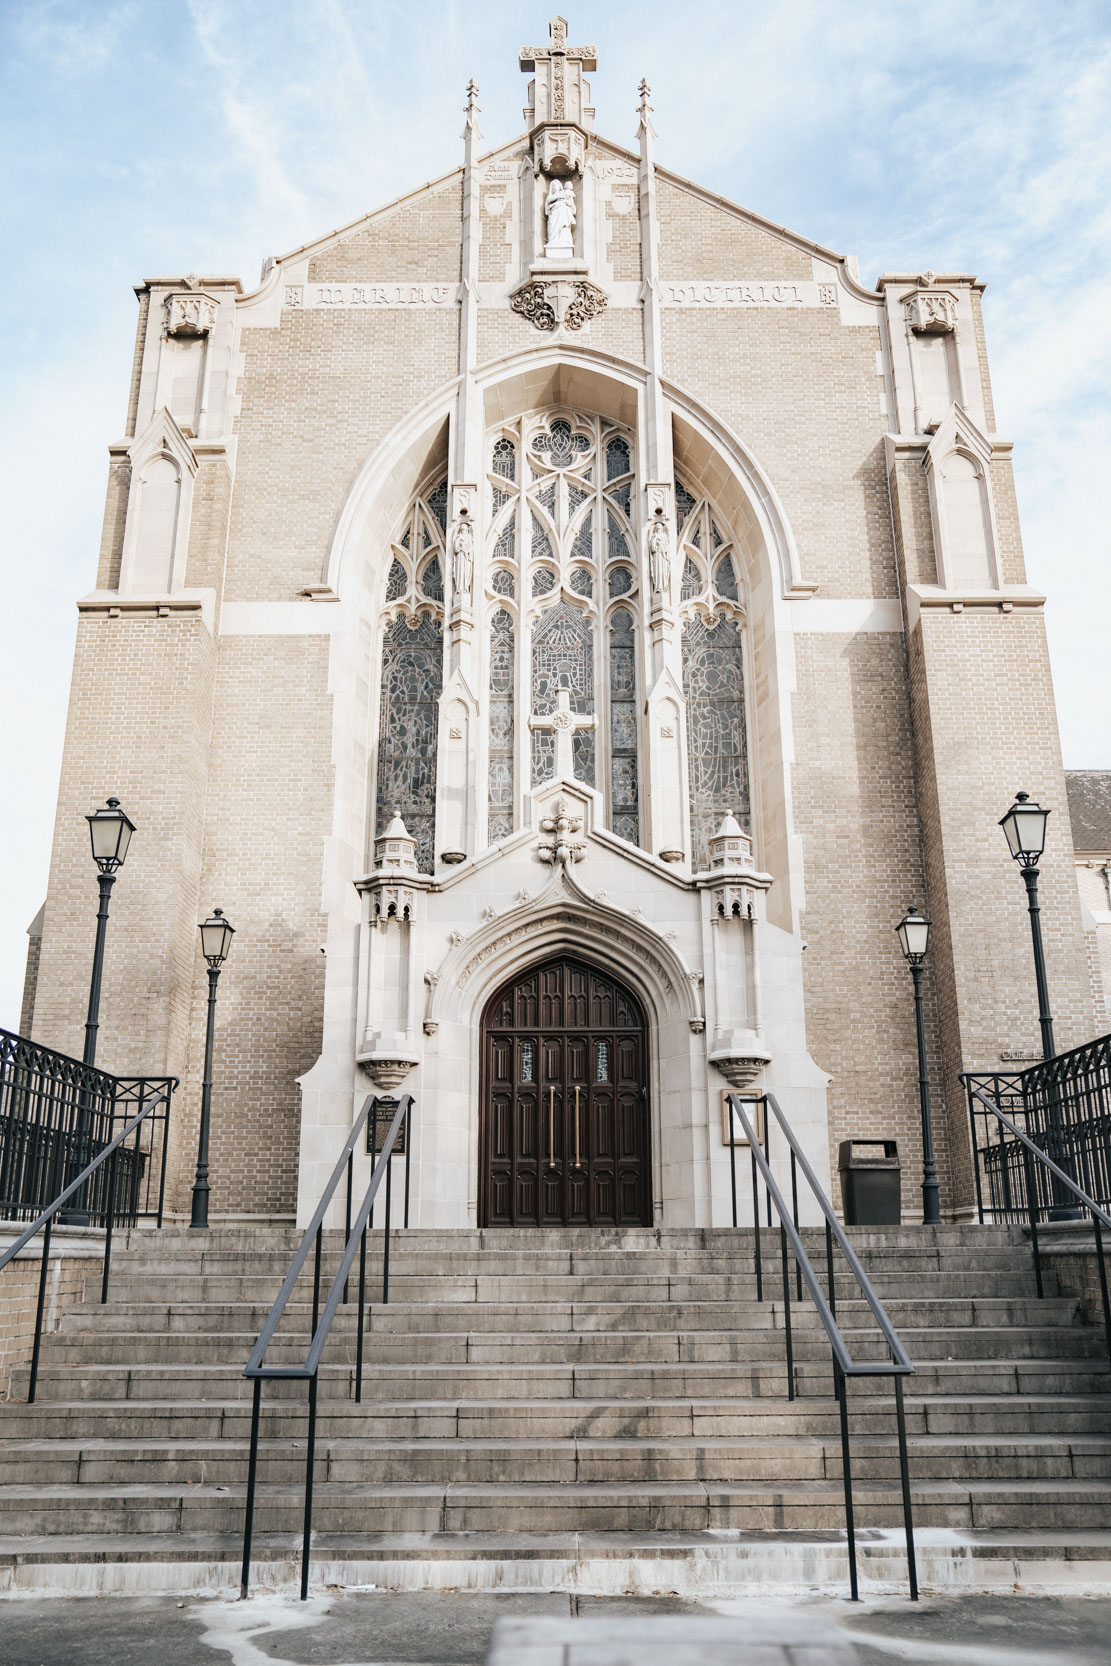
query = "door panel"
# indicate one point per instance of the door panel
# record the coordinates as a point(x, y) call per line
point(564, 1127)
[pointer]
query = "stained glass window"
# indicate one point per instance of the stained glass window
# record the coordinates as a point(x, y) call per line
point(692, 580)
point(505, 459)
point(615, 539)
point(559, 445)
point(713, 682)
point(503, 583)
point(684, 503)
point(397, 583)
point(432, 583)
point(562, 657)
point(541, 548)
point(581, 582)
point(620, 581)
point(412, 680)
point(500, 774)
point(437, 502)
point(506, 547)
point(543, 580)
point(617, 459)
point(625, 819)
point(583, 546)
point(725, 579)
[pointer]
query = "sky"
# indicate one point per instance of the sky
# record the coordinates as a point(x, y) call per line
point(204, 135)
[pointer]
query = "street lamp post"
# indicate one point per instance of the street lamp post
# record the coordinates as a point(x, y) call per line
point(216, 935)
point(110, 831)
point(914, 937)
point(1024, 827)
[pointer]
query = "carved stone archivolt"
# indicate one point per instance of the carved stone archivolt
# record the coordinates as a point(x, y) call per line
point(550, 302)
point(564, 913)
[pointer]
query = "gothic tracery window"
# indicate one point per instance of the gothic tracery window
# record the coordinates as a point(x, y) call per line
point(713, 672)
point(562, 573)
point(412, 672)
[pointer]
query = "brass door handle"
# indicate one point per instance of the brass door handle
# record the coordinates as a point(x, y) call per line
point(551, 1127)
point(578, 1162)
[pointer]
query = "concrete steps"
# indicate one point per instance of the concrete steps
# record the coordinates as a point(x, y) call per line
point(536, 1384)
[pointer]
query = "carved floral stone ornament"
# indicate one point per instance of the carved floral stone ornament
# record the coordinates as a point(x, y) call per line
point(190, 315)
point(931, 312)
point(562, 845)
point(550, 302)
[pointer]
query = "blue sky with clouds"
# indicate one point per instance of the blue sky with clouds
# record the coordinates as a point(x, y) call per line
point(147, 137)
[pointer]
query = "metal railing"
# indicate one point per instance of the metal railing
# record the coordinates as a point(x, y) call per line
point(844, 1366)
point(56, 1115)
point(396, 1139)
point(1044, 1180)
point(96, 1193)
point(1063, 1104)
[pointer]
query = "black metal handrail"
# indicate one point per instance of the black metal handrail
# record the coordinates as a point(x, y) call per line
point(1100, 1217)
point(1063, 1104)
point(844, 1366)
point(397, 1138)
point(82, 1186)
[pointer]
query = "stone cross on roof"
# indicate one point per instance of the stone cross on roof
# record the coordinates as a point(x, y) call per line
point(564, 723)
point(559, 93)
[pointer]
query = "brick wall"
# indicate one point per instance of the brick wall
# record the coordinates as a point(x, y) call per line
point(19, 1295)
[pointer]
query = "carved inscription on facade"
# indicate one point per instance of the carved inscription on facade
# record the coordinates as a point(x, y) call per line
point(360, 296)
point(741, 293)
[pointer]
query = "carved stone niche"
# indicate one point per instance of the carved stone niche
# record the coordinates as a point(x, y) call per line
point(558, 151)
point(931, 312)
point(549, 302)
point(190, 314)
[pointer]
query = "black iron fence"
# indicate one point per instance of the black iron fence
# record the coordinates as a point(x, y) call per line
point(1062, 1105)
point(58, 1115)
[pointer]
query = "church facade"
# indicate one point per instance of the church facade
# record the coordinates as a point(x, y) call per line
point(563, 619)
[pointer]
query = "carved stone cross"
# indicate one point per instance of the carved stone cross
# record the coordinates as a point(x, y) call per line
point(559, 70)
point(564, 724)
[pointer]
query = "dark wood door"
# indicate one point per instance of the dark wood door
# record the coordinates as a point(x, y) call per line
point(564, 1130)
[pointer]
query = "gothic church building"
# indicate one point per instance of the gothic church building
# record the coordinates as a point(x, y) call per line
point(563, 619)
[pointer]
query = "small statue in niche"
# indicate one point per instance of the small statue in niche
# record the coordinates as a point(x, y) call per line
point(659, 556)
point(462, 554)
point(559, 210)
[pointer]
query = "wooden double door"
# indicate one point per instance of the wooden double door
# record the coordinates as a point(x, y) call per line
point(564, 1126)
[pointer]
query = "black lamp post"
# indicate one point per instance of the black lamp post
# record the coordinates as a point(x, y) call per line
point(914, 937)
point(110, 831)
point(216, 935)
point(1024, 826)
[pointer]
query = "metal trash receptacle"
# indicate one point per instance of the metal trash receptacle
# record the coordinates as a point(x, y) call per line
point(871, 1182)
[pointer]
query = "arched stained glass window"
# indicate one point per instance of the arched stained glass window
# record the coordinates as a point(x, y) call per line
point(500, 773)
point(571, 493)
point(412, 681)
point(625, 788)
point(562, 657)
point(713, 682)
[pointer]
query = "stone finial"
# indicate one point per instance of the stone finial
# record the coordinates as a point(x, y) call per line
point(395, 850)
point(730, 846)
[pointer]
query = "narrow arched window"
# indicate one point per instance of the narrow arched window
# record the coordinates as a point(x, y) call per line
point(624, 784)
point(502, 727)
point(159, 505)
point(412, 672)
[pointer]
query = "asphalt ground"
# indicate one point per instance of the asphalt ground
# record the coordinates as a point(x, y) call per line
point(445, 1628)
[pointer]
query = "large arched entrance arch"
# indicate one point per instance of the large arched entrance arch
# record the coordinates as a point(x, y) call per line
point(564, 1126)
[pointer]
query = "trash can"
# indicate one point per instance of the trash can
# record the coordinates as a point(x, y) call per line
point(871, 1182)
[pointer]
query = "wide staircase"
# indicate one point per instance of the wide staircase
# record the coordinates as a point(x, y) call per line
point(600, 1410)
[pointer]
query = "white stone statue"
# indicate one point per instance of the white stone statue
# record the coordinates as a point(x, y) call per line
point(462, 555)
point(659, 557)
point(559, 209)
